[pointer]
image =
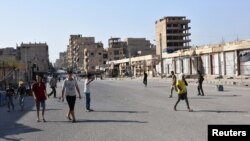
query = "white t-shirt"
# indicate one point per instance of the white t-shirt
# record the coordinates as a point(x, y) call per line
point(70, 87)
point(86, 87)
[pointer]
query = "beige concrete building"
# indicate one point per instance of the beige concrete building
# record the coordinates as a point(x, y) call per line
point(116, 49)
point(172, 33)
point(61, 62)
point(95, 58)
point(138, 47)
point(8, 51)
point(33, 53)
point(75, 51)
point(134, 66)
point(222, 60)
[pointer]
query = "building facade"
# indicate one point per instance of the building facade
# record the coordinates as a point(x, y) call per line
point(172, 34)
point(116, 49)
point(227, 60)
point(134, 66)
point(33, 56)
point(61, 62)
point(138, 47)
point(95, 58)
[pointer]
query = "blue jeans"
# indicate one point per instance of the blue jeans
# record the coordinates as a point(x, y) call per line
point(87, 95)
point(21, 101)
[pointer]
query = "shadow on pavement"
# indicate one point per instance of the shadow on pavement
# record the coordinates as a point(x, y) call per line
point(114, 121)
point(220, 111)
point(47, 110)
point(100, 121)
point(131, 112)
point(200, 97)
point(8, 120)
point(223, 95)
point(7, 134)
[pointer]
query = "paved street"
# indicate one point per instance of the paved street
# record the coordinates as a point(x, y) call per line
point(127, 111)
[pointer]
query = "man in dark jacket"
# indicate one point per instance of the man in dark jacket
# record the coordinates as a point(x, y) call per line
point(200, 81)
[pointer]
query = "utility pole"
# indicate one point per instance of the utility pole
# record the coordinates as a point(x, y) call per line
point(4, 76)
point(161, 57)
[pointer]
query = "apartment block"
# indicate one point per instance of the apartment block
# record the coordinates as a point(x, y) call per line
point(138, 47)
point(61, 62)
point(116, 49)
point(172, 34)
point(94, 58)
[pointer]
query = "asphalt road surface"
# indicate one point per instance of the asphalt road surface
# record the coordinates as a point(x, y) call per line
point(127, 111)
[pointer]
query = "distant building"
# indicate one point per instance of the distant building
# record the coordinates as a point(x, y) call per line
point(138, 47)
point(7, 52)
point(61, 62)
point(116, 49)
point(34, 53)
point(94, 58)
point(172, 34)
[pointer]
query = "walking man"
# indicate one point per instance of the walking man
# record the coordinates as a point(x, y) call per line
point(200, 81)
point(53, 85)
point(21, 92)
point(182, 92)
point(145, 79)
point(10, 92)
point(173, 87)
point(39, 94)
point(69, 88)
point(87, 82)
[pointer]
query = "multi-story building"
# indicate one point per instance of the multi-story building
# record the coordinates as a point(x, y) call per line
point(7, 52)
point(116, 49)
point(33, 55)
point(71, 50)
point(94, 58)
point(7, 61)
point(61, 62)
point(138, 47)
point(172, 34)
point(75, 50)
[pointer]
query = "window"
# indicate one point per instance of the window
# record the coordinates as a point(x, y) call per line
point(100, 53)
point(116, 52)
point(104, 62)
point(105, 56)
point(91, 54)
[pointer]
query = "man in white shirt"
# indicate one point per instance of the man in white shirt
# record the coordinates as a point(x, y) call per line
point(70, 86)
point(86, 91)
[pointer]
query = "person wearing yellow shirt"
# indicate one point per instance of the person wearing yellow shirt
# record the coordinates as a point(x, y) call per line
point(181, 84)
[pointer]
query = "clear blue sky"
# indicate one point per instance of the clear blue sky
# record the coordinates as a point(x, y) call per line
point(53, 21)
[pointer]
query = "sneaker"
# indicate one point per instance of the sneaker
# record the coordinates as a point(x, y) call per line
point(38, 120)
point(190, 110)
point(90, 110)
point(44, 120)
point(74, 121)
point(68, 117)
point(170, 96)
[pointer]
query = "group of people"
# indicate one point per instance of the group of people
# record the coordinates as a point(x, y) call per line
point(11, 94)
point(69, 89)
point(179, 85)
